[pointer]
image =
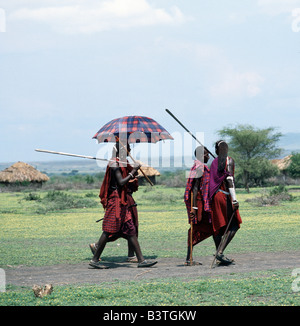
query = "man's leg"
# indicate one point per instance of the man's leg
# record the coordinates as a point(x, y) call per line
point(226, 240)
point(110, 238)
point(188, 254)
point(100, 247)
point(217, 239)
point(132, 258)
point(134, 246)
point(133, 241)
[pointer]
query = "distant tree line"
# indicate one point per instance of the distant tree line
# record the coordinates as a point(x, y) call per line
point(293, 169)
point(252, 149)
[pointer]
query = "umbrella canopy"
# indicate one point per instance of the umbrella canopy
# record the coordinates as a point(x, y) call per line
point(133, 129)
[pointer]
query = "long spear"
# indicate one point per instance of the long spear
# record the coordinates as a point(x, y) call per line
point(185, 128)
point(75, 155)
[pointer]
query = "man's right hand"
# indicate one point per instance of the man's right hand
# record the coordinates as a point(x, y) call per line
point(136, 166)
point(193, 213)
point(235, 204)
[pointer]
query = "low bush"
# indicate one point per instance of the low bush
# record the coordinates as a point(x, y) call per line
point(271, 198)
point(175, 179)
point(32, 196)
point(56, 200)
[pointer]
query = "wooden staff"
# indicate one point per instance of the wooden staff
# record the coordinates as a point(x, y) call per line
point(191, 235)
point(118, 139)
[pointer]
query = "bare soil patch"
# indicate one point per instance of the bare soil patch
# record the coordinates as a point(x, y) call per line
point(81, 273)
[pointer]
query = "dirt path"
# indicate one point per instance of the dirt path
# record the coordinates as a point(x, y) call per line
point(165, 268)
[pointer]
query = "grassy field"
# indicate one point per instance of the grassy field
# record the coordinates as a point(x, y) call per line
point(32, 236)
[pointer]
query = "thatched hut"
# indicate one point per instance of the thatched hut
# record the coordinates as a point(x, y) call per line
point(150, 172)
point(283, 163)
point(21, 172)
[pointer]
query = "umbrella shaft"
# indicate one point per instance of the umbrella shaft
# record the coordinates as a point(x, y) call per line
point(150, 182)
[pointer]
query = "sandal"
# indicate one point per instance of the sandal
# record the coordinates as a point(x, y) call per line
point(97, 264)
point(146, 263)
point(224, 260)
point(188, 263)
point(132, 259)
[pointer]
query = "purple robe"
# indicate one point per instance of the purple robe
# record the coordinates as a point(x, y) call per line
point(216, 178)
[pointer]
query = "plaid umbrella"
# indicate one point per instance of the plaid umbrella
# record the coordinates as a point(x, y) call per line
point(133, 129)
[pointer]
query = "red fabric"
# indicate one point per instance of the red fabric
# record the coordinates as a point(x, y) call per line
point(200, 232)
point(113, 218)
point(198, 170)
point(202, 228)
point(106, 182)
point(117, 215)
point(132, 207)
point(128, 228)
point(119, 204)
point(222, 211)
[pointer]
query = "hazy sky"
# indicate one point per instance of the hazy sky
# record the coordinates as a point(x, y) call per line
point(69, 66)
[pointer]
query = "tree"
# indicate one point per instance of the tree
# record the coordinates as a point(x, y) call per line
point(293, 169)
point(252, 148)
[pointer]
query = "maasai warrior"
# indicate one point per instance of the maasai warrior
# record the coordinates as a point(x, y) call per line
point(224, 202)
point(197, 202)
point(132, 186)
point(120, 219)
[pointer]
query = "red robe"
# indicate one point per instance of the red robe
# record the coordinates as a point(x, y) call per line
point(202, 227)
point(120, 213)
point(222, 210)
point(221, 203)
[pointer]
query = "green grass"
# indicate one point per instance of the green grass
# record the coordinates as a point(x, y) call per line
point(255, 289)
point(32, 239)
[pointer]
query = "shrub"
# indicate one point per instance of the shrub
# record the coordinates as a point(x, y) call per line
point(274, 197)
point(32, 196)
point(58, 200)
point(294, 168)
point(175, 179)
point(161, 197)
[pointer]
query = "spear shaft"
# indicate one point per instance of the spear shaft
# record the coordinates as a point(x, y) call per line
point(76, 155)
point(191, 235)
point(185, 128)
